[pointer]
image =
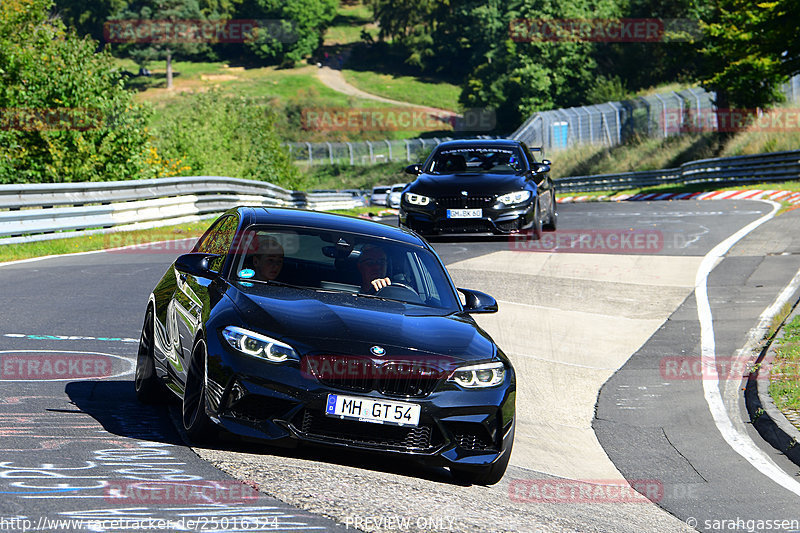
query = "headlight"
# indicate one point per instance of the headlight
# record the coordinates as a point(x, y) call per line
point(514, 197)
point(417, 199)
point(257, 345)
point(479, 376)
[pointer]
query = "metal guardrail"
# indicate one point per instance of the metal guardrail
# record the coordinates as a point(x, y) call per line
point(45, 211)
point(778, 166)
point(49, 211)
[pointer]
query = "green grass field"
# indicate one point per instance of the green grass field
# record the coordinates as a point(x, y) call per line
point(785, 378)
point(412, 89)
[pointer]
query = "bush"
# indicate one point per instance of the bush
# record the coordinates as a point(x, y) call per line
point(215, 135)
point(64, 114)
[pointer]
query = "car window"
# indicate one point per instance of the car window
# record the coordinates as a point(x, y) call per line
point(218, 240)
point(332, 261)
point(476, 159)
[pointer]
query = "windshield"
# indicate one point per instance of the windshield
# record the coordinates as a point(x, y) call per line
point(476, 159)
point(345, 262)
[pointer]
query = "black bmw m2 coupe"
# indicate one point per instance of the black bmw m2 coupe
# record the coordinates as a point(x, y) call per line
point(292, 326)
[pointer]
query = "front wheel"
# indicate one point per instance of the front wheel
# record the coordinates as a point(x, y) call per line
point(552, 220)
point(195, 420)
point(149, 388)
point(537, 220)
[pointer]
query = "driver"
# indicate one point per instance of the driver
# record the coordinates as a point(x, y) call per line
point(268, 258)
point(372, 266)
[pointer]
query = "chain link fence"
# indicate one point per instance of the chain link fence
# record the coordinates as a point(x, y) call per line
point(657, 115)
point(365, 152)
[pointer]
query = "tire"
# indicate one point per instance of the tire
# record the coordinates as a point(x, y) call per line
point(489, 475)
point(536, 229)
point(552, 221)
point(198, 426)
point(149, 389)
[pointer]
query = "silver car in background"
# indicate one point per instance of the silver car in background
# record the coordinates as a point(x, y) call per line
point(379, 194)
point(393, 198)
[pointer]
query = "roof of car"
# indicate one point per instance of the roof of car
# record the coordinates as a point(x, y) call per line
point(328, 221)
point(479, 142)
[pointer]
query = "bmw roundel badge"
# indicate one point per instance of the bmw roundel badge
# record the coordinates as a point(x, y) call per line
point(377, 350)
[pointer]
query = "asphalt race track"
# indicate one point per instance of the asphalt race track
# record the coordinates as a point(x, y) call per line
point(600, 331)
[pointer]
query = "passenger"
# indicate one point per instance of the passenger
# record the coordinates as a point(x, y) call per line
point(268, 258)
point(372, 266)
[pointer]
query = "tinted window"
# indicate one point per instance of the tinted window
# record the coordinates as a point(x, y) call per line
point(218, 239)
point(345, 262)
point(476, 159)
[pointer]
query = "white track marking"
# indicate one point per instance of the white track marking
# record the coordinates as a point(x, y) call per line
point(740, 442)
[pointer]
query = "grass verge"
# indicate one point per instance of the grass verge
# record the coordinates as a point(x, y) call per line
point(785, 379)
point(88, 243)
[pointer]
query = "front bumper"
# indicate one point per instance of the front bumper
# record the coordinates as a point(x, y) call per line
point(285, 406)
point(495, 220)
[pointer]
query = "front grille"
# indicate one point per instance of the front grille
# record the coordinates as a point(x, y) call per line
point(407, 379)
point(358, 374)
point(344, 372)
point(472, 436)
point(464, 225)
point(366, 434)
point(461, 202)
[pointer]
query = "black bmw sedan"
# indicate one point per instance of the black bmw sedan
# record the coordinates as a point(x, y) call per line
point(292, 326)
point(493, 187)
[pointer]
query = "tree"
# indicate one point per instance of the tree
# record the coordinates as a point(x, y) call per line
point(750, 49)
point(160, 30)
point(524, 73)
point(87, 18)
point(294, 29)
point(65, 114)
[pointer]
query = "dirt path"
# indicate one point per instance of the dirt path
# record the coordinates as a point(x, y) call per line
point(334, 79)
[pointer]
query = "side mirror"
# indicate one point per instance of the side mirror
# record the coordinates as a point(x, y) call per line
point(546, 162)
point(541, 168)
point(415, 170)
point(478, 302)
point(196, 264)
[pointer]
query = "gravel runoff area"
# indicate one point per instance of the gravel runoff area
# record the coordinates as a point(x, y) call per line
point(404, 497)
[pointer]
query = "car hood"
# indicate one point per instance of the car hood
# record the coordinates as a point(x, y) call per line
point(343, 323)
point(474, 184)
